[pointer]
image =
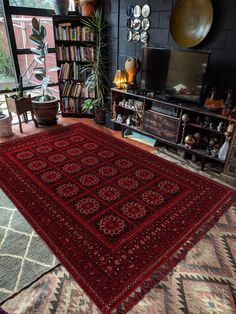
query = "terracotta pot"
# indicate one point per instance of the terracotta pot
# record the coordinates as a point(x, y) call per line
point(132, 67)
point(45, 112)
point(61, 7)
point(87, 6)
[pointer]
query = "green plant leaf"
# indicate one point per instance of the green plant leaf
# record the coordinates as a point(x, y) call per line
point(35, 23)
point(46, 48)
point(39, 76)
point(53, 69)
point(43, 32)
point(39, 59)
point(36, 38)
point(36, 51)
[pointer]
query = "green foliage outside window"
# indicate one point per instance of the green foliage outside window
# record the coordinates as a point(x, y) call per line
point(6, 68)
point(40, 4)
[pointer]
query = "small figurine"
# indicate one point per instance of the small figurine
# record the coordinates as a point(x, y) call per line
point(114, 110)
point(128, 120)
point(207, 122)
point(210, 126)
point(189, 141)
point(119, 118)
point(185, 118)
point(219, 127)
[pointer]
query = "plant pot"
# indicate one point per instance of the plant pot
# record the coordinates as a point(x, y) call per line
point(61, 7)
point(45, 112)
point(87, 6)
point(100, 116)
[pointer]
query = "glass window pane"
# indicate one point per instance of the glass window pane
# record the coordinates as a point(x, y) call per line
point(26, 70)
point(7, 75)
point(39, 4)
point(23, 29)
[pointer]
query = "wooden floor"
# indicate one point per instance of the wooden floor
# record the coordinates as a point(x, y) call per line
point(30, 128)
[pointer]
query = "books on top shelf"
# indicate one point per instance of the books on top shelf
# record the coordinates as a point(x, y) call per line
point(74, 53)
point(65, 31)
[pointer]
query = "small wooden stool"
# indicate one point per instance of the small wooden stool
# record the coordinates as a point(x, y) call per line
point(20, 106)
point(5, 126)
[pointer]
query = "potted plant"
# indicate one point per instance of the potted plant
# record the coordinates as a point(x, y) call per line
point(45, 106)
point(97, 68)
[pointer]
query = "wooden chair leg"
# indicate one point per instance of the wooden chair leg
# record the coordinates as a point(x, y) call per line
point(20, 123)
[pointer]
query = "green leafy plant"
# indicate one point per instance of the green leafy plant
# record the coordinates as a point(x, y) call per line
point(40, 52)
point(97, 79)
point(6, 68)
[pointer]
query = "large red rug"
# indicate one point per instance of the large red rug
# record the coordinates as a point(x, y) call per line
point(117, 217)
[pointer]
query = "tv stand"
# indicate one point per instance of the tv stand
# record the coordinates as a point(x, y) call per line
point(161, 119)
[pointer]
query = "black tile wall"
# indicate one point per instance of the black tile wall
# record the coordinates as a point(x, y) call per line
point(221, 40)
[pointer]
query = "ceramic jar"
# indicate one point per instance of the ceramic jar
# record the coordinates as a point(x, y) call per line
point(61, 7)
point(132, 67)
point(87, 6)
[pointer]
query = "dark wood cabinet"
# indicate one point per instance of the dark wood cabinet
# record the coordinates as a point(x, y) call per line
point(161, 119)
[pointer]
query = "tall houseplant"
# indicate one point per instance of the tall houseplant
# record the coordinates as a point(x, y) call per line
point(97, 78)
point(45, 106)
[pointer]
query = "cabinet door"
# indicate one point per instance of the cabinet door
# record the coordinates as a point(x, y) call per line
point(161, 125)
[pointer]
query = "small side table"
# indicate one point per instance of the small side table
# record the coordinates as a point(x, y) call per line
point(20, 106)
point(5, 126)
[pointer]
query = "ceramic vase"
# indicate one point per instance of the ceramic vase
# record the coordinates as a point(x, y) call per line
point(87, 6)
point(61, 7)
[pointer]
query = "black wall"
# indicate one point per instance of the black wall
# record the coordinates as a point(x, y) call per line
point(221, 40)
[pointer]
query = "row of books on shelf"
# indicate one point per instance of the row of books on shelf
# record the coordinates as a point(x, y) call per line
point(74, 53)
point(70, 105)
point(73, 71)
point(65, 31)
point(76, 89)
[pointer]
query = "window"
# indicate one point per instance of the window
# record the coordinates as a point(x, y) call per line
point(39, 4)
point(7, 74)
point(28, 77)
point(23, 29)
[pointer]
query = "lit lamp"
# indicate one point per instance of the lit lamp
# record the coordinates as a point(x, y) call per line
point(120, 78)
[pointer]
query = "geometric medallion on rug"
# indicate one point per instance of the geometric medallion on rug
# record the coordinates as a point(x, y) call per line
point(117, 217)
point(23, 255)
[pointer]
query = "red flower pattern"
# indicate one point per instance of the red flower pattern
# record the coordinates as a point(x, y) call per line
point(25, 155)
point(128, 183)
point(37, 165)
point(109, 193)
point(112, 225)
point(67, 190)
point(152, 198)
point(51, 176)
point(87, 206)
point(169, 187)
point(134, 210)
point(89, 179)
point(71, 168)
point(56, 158)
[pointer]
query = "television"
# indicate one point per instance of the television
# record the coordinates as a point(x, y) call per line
point(174, 73)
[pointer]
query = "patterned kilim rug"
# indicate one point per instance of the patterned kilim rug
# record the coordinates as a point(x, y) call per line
point(23, 255)
point(113, 214)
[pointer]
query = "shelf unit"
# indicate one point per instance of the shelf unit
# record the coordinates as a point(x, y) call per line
point(165, 124)
point(75, 46)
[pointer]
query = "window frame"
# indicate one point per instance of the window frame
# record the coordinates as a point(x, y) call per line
point(8, 12)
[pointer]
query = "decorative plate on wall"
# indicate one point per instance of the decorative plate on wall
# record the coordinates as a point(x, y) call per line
point(191, 21)
point(136, 24)
point(144, 37)
point(146, 10)
point(136, 37)
point(145, 24)
point(137, 11)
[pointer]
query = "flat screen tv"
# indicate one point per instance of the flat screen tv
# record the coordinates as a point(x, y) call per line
point(174, 73)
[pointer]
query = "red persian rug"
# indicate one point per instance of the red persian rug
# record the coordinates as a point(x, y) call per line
point(117, 217)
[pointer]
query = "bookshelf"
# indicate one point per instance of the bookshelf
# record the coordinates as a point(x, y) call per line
point(75, 46)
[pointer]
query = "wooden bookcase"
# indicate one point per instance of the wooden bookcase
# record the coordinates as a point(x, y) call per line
point(74, 45)
point(161, 119)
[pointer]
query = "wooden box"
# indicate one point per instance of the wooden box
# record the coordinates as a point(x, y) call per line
point(161, 125)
